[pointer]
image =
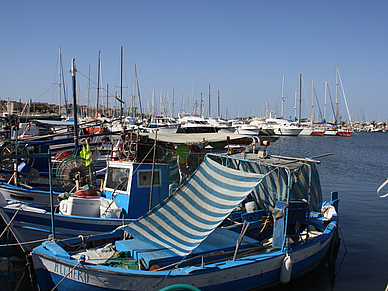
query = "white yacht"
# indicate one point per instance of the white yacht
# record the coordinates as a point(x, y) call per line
point(283, 127)
point(241, 127)
point(163, 124)
point(195, 124)
point(222, 125)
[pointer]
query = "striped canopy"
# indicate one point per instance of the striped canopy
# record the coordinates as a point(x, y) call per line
point(275, 183)
point(181, 222)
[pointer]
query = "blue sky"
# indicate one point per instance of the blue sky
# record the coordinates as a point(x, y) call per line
point(240, 48)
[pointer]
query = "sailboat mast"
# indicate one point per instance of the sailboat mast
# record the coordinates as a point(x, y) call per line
point(121, 83)
point(218, 104)
point(60, 81)
point(201, 106)
point(300, 97)
point(324, 113)
point(312, 102)
point(296, 99)
point(346, 102)
point(88, 110)
point(283, 97)
point(98, 81)
point(107, 99)
point(73, 71)
point(209, 102)
point(336, 96)
point(165, 102)
point(192, 101)
point(173, 100)
point(153, 102)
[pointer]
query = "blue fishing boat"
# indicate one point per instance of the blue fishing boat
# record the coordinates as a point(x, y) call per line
point(127, 193)
point(237, 223)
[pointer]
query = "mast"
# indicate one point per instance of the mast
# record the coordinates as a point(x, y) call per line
point(324, 112)
point(201, 105)
point(336, 95)
point(88, 110)
point(73, 71)
point(98, 81)
point(107, 99)
point(60, 81)
point(165, 101)
point(346, 102)
point(283, 97)
point(296, 98)
point(184, 97)
point(300, 97)
point(134, 92)
point(153, 102)
point(161, 104)
point(173, 100)
point(192, 100)
point(209, 102)
point(121, 83)
point(218, 104)
point(312, 102)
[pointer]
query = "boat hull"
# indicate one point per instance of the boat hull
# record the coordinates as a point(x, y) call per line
point(287, 131)
point(31, 196)
point(254, 271)
point(34, 226)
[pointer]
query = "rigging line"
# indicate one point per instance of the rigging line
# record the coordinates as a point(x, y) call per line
point(56, 83)
point(103, 89)
point(331, 102)
point(319, 107)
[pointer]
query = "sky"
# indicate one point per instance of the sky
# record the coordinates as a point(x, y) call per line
point(241, 49)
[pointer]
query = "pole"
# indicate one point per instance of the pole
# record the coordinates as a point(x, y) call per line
point(60, 82)
point(209, 102)
point(51, 196)
point(73, 71)
point(283, 97)
point(98, 82)
point(121, 84)
point(218, 104)
point(336, 96)
point(300, 97)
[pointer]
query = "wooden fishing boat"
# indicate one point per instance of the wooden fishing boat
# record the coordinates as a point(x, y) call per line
point(191, 236)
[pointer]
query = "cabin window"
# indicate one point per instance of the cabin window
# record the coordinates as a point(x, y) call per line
point(117, 178)
point(144, 178)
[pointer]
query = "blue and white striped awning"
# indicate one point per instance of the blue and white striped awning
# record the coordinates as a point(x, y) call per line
point(181, 222)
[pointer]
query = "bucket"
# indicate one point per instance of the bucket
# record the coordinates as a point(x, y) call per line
point(111, 212)
point(250, 206)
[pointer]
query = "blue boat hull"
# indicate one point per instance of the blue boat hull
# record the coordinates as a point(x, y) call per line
point(52, 264)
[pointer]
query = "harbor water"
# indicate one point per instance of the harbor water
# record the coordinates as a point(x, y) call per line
point(358, 166)
point(356, 169)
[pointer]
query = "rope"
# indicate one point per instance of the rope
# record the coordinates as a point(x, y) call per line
point(9, 223)
point(23, 243)
point(14, 235)
point(81, 259)
point(381, 187)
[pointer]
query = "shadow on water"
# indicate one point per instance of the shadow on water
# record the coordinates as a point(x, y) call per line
point(15, 266)
point(322, 278)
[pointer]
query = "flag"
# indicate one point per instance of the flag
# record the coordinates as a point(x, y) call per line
point(82, 153)
point(88, 155)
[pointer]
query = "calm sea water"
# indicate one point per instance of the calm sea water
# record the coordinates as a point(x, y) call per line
point(358, 166)
point(356, 169)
